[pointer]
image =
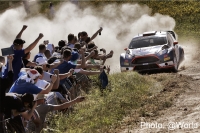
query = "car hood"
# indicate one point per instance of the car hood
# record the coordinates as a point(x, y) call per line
point(146, 50)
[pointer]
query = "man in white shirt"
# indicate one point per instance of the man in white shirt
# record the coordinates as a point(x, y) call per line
point(42, 49)
point(71, 40)
point(49, 46)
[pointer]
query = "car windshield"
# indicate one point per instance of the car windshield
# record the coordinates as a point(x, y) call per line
point(147, 42)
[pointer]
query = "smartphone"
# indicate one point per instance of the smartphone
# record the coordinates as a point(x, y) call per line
point(7, 51)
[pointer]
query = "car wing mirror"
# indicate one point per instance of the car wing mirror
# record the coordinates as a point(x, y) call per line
point(175, 42)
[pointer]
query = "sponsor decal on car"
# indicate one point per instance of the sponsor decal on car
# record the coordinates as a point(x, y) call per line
point(166, 58)
point(126, 63)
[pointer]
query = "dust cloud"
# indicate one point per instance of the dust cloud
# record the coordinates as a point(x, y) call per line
point(191, 52)
point(120, 24)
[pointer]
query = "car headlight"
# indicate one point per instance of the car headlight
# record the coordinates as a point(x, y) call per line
point(128, 56)
point(161, 52)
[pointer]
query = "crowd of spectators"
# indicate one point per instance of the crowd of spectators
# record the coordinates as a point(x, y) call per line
point(51, 81)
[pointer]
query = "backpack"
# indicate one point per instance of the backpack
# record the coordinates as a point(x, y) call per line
point(103, 79)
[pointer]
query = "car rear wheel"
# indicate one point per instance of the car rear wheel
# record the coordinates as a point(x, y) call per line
point(175, 69)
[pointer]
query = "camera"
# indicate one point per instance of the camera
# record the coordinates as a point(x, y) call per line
point(101, 49)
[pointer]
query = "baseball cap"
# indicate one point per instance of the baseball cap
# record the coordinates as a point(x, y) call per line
point(41, 61)
point(18, 41)
point(74, 56)
point(33, 74)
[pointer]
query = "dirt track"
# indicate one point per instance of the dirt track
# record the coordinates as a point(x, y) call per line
point(184, 115)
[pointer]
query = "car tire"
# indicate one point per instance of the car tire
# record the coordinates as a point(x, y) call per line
point(175, 69)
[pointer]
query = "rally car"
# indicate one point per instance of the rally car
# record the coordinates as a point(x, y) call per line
point(152, 50)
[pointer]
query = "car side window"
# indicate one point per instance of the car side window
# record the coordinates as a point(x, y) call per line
point(170, 41)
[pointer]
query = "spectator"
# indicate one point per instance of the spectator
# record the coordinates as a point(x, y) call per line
point(19, 52)
point(75, 39)
point(92, 58)
point(79, 36)
point(103, 57)
point(91, 46)
point(67, 65)
point(77, 45)
point(71, 40)
point(47, 53)
point(49, 46)
point(55, 98)
point(26, 62)
point(61, 44)
point(15, 107)
point(42, 49)
point(2, 62)
point(26, 6)
point(47, 67)
point(74, 57)
point(43, 108)
point(47, 77)
point(26, 83)
point(4, 84)
point(51, 10)
point(86, 42)
point(84, 35)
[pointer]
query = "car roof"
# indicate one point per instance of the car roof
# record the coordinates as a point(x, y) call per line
point(151, 34)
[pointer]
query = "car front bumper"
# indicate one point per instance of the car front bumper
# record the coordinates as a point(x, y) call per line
point(148, 66)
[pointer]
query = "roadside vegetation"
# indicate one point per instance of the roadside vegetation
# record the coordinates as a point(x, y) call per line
point(129, 96)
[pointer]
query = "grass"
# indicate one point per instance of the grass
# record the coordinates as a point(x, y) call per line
point(132, 96)
point(99, 112)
